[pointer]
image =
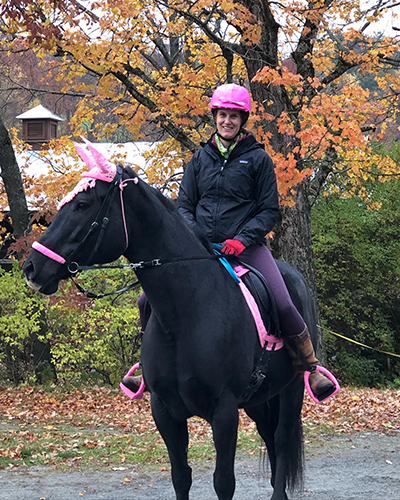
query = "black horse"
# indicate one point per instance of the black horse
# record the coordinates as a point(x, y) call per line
point(200, 345)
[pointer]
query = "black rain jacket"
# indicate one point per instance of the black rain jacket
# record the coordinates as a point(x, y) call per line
point(230, 198)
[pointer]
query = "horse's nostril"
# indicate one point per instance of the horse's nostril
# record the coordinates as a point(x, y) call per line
point(28, 269)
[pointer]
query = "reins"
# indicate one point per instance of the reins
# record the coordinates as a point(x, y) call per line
point(92, 295)
point(133, 266)
point(144, 264)
point(101, 221)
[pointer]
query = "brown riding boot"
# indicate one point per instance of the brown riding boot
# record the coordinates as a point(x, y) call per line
point(304, 359)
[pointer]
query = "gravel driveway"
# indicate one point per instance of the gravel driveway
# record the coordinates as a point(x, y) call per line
point(364, 466)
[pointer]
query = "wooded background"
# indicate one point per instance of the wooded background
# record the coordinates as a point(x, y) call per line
point(325, 82)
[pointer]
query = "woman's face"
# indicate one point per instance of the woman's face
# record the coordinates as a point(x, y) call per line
point(228, 122)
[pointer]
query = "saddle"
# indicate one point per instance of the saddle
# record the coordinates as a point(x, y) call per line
point(261, 293)
point(262, 305)
point(259, 298)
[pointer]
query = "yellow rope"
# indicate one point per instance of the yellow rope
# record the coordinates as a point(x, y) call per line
point(359, 343)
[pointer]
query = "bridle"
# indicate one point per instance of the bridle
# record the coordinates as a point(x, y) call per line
point(100, 223)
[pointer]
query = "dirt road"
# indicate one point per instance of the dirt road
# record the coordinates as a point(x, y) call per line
point(358, 467)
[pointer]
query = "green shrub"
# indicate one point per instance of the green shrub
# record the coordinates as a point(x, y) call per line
point(68, 336)
point(357, 255)
point(22, 328)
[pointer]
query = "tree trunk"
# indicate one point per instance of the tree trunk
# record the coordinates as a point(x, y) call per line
point(293, 236)
point(13, 184)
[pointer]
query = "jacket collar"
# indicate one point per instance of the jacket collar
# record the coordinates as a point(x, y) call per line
point(247, 144)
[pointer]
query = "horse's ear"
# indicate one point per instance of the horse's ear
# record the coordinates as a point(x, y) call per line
point(95, 159)
point(88, 160)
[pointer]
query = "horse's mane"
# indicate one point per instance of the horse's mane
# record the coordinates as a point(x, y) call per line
point(169, 204)
point(172, 207)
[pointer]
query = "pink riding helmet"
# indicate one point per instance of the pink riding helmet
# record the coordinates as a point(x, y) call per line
point(231, 96)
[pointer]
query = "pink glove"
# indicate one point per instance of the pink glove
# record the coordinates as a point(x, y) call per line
point(233, 247)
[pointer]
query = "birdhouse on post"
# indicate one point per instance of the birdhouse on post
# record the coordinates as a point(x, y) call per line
point(39, 125)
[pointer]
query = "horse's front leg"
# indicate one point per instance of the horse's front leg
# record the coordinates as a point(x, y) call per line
point(224, 424)
point(175, 435)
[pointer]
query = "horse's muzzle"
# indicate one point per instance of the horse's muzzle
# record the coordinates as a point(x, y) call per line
point(48, 288)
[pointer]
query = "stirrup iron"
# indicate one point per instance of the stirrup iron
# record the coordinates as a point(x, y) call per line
point(128, 392)
point(329, 375)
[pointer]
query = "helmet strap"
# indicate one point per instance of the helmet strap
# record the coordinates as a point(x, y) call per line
point(230, 141)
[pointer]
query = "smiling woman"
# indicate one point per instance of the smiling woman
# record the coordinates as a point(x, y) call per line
point(228, 123)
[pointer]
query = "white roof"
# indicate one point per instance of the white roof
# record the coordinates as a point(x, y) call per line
point(132, 151)
point(39, 112)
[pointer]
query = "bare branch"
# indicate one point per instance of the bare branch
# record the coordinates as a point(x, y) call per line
point(165, 123)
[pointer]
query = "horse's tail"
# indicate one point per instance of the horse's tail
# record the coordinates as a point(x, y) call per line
point(295, 457)
point(286, 429)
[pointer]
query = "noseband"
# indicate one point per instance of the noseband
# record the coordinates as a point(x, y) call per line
point(101, 221)
point(48, 253)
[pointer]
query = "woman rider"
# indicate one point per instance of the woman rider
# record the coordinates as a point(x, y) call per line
point(229, 195)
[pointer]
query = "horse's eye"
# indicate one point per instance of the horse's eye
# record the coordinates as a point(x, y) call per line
point(81, 205)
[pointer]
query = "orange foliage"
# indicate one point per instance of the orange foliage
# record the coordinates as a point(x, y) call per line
point(158, 62)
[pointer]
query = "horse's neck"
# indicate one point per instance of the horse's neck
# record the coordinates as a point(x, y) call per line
point(164, 236)
point(159, 233)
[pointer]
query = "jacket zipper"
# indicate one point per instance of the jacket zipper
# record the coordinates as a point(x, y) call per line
point(216, 216)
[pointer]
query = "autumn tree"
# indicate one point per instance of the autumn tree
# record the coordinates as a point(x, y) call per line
point(159, 61)
point(13, 185)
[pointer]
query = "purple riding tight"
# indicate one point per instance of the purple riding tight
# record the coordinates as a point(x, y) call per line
point(260, 258)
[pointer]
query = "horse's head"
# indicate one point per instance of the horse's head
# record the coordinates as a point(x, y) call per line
point(88, 216)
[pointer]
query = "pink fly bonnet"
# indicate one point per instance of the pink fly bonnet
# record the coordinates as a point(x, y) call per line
point(99, 168)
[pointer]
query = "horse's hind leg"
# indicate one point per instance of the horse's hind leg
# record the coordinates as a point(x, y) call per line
point(279, 424)
point(224, 424)
point(175, 434)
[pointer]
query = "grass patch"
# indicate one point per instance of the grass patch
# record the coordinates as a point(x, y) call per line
point(97, 426)
point(68, 446)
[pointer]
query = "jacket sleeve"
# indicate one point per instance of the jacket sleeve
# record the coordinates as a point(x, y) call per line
point(188, 196)
point(267, 205)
